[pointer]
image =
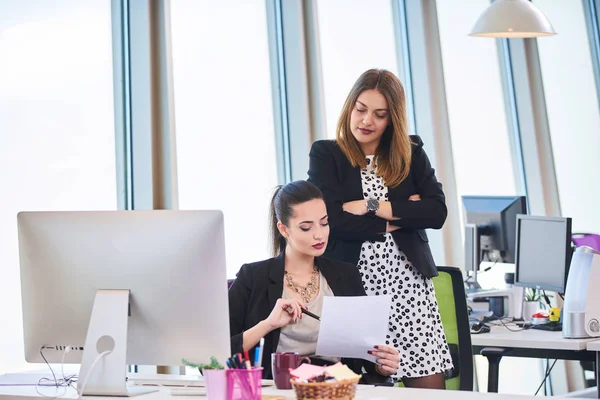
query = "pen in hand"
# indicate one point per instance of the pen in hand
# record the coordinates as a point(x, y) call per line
point(311, 314)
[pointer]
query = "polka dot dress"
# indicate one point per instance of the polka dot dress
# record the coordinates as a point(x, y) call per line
point(415, 327)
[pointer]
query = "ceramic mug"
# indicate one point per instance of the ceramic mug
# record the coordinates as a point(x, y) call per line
point(281, 363)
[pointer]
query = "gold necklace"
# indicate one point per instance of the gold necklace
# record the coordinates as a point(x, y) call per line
point(306, 292)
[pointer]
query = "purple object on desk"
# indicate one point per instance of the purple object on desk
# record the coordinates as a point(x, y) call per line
point(244, 384)
point(281, 364)
point(590, 240)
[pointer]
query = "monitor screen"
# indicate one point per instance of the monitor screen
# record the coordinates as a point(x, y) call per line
point(495, 219)
point(172, 262)
point(543, 252)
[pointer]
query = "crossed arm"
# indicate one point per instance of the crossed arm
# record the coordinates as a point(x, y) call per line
point(424, 209)
point(359, 207)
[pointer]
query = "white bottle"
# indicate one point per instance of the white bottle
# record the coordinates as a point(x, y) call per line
point(579, 319)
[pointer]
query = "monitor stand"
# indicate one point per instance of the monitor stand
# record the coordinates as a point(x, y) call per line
point(472, 286)
point(472, 256)
point(103, 364)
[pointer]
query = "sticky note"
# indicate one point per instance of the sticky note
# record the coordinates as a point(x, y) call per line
point(340, 372)
point(307, 371)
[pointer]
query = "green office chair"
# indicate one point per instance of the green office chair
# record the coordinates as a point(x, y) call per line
point(452, 301)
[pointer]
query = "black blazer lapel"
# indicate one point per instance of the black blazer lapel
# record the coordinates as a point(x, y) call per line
point(276, 271)
point(348, 176)
point(354, 182)
point(275, 291)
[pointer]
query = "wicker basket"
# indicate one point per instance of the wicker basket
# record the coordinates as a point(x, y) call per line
point(338, 390)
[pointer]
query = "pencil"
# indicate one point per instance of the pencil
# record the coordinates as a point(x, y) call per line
point(311, 314)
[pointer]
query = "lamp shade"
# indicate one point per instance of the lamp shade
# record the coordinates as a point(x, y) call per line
point(512, 19)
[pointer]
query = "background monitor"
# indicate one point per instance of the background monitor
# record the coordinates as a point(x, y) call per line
point(172, 262)
point(495, 220)
point(544, 251)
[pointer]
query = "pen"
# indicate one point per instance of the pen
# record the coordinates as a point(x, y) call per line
point(240, 360)
point(258, 353)
point(311, 314)
point(247, 360)
point(233, 362)
point(249, 368)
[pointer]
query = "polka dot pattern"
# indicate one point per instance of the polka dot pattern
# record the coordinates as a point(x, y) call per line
point(415, 326)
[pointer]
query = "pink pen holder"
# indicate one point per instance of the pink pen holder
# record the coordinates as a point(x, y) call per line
point(244, 384)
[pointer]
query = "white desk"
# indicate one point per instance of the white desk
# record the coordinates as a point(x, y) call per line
point(530, 338)
point(594, 346)
point(532, 343)
point(363, 393)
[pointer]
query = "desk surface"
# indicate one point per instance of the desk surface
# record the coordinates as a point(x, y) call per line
point(530, 338)
point(363, 393)
point(594, 345)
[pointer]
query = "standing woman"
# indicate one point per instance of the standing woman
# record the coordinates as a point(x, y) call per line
point(381, 193)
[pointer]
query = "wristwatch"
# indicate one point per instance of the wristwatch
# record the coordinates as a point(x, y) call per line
point(372, 206)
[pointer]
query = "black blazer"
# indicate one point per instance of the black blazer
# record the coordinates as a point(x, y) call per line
point(330, 170)
point(256, 289)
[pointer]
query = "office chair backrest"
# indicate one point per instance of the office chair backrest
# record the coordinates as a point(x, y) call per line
point(452, 302)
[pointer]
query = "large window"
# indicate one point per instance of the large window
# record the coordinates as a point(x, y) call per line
point(355, 35)
point(481, 145)
point(57, 147)
point(481, 149)
point(573, 112)
point(224, 118)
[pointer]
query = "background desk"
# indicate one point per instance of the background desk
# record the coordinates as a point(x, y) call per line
point(532, 343)
point(595, 347)
point(363, 393)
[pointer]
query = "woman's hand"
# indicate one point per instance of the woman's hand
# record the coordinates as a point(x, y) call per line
point(388, 359)
point(356, 207)
point(284, 312)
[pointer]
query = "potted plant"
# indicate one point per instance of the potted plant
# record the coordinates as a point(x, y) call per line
point(531, 303)
point(215, 378)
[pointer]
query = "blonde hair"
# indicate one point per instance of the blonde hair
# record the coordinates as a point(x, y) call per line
point(394, 153)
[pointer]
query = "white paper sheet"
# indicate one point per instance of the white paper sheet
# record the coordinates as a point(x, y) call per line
point(351, 326)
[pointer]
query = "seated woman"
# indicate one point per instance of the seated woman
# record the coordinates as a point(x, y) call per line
point(267, 297)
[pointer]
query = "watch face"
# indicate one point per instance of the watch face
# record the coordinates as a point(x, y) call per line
point(372, 205)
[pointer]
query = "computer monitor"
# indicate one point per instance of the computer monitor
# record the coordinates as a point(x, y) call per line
point(155, 280)
point(543, 253)
point(490, 229)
